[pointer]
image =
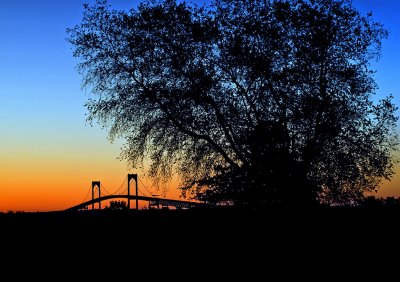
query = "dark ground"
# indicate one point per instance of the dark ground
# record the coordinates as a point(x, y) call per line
point(202, 243)
point(204, 222)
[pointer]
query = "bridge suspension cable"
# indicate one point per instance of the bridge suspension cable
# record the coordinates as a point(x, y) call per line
point(151, 193)
point(140, 191)
point(124, 192)
point(104, 189)
point(87, 193)
point(115, 192)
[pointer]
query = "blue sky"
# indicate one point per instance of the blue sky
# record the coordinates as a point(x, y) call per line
point(42, 113)
point(387, 13)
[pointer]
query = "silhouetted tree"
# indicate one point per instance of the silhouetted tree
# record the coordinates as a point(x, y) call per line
point(117, 205)
point(392, 202)
point(251, 102)
point(374, 202)
point(371, 202)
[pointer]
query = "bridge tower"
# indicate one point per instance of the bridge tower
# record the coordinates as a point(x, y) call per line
point(130, 177)
point(94, 185)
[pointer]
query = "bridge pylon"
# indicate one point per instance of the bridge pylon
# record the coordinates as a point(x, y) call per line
point(130, 177)
point(94, 185)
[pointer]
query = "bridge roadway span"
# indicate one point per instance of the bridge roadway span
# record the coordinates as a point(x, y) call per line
point(161, 201)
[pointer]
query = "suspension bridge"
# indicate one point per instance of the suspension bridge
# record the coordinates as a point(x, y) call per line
point(153, 200)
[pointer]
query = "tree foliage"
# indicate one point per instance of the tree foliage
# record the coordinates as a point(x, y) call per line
point(250, 102)
point(117, 205)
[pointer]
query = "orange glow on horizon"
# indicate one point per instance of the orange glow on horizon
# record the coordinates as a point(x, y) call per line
point(53, 194)
point(47, 184)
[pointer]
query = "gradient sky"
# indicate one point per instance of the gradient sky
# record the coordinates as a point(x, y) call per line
point(49, 155)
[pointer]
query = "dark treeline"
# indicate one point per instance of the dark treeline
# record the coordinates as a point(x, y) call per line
point(120, 207)
point(378, 202)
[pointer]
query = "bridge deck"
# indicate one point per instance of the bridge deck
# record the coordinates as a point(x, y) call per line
point(161, 201)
